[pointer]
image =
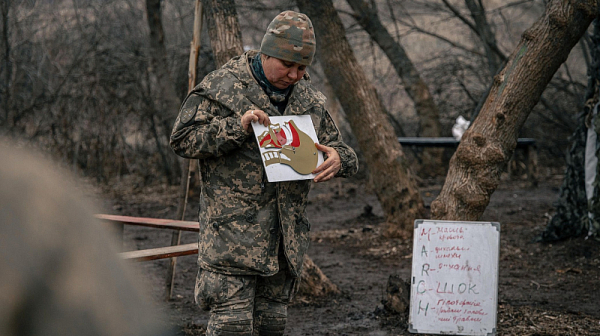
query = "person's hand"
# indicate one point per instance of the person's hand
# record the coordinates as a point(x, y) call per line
point(327, 170)
point(254, 115)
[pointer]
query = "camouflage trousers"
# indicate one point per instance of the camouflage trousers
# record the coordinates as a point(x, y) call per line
point(246, 305)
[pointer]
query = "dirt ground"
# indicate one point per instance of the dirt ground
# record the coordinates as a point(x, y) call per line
point(544, 289)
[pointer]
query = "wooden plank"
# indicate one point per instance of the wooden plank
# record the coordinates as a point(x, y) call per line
point(428, 142)
point(523, 142)
point(449, 142)
point(161, 252)
point(151, 222)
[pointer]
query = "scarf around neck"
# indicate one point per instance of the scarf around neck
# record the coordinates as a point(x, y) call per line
point(276, 95)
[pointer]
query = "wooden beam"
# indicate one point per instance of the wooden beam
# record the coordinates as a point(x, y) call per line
point(151, 222)
point(161, 252)
point(450, 142)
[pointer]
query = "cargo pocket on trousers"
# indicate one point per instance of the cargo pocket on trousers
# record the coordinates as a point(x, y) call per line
point(294, 288)
point(215, 290)
point(209, 289)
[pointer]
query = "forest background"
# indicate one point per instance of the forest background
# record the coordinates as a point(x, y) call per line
point(78, 78)
point(96, 85)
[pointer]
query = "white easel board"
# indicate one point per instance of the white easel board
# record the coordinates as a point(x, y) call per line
point(454, 282)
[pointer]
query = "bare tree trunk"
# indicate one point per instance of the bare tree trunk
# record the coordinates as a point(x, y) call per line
point(482, 28)
point(313, 283)
point(414, 86)
point(161, 151)
point(168, 103)
point(226, 42)
point(334, 108)
point(159, 58)
point(223, 29)
point(571, 217)
point(390, 175)
point(337, 113)
point(487, 146)
point(4, 12)
point(486, 34)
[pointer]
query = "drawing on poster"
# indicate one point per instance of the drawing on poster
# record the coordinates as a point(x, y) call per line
point(454, 283)
point(287, 148)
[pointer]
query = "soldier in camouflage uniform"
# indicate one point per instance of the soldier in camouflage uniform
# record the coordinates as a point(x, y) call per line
point(254, 234)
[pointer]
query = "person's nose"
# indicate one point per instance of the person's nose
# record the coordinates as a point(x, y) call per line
point(293, 73)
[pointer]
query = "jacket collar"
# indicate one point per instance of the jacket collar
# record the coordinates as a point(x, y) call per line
point(240, 68)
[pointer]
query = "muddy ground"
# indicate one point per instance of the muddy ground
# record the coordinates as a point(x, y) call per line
point(544, 289)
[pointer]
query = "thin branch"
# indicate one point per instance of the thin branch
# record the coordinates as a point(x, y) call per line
point(508, 5)
point(460, 16)
point(452, 43)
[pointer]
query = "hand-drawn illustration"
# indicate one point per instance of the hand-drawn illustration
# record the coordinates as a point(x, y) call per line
point(293, 147)
point(287, 142)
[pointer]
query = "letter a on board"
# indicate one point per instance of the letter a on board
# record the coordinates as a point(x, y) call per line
point(424, 251)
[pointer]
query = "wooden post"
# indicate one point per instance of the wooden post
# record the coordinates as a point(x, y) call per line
point(188, 164)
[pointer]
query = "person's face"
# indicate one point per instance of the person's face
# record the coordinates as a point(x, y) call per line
point(282, 73)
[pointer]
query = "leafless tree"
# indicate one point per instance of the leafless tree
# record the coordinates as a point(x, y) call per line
point(366, 15)
point(77, 76)
point(486, 147)
point(168, 102)
point(392, 179)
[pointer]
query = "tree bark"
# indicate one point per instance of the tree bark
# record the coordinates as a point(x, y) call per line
point(167, 103)
point(415, 87)
point(489, 143)
point(571, 217)
point(313, 283)
point(223, 29)
point(5, 38)
point(226, 42)
point(337, 113)
point(487, 36)
point(390, 175)
point(159, 55)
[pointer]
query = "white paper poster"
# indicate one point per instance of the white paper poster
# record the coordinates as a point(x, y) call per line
point(287, 148)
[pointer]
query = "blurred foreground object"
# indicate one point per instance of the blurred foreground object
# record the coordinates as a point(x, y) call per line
point(59, 273)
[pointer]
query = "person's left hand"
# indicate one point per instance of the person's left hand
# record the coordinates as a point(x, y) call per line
point(327, 170)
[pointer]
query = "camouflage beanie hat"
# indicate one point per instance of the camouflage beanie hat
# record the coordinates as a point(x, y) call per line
point(290, 37)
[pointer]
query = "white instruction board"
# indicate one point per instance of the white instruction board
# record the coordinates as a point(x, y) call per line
point(454, 282)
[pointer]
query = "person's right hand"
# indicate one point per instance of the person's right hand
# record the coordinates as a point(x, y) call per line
point(254, 115)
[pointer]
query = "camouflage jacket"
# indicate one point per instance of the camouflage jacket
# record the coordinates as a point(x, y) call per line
point(242, 216)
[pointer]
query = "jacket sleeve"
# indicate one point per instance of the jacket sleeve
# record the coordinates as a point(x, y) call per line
point(329, 135)
point(204, 128)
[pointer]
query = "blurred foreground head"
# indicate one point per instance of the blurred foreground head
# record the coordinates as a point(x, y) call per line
point(59, 272)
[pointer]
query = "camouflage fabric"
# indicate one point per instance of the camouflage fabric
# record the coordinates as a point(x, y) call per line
point(242, 216)
point(576, 216)
point(594, 204)
point(290, 36)
point(245, 305)
point(570, 218)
